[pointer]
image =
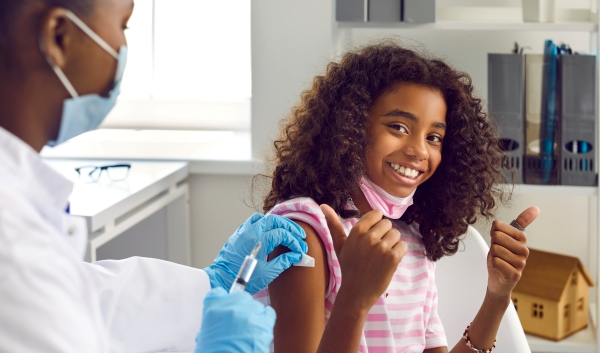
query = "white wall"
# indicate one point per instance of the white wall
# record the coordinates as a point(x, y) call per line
point(290, 44)
point(217, 208)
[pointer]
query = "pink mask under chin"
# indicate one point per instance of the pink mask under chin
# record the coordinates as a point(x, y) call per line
point(391, 206)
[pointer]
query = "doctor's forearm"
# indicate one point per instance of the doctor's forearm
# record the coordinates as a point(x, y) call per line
point(484, 328)
point(344, 328)
point(158, 303)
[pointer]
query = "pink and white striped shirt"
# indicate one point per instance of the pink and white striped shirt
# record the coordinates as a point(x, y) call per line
point(405, 319)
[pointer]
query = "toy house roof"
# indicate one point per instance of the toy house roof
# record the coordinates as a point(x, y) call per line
point(547, 274)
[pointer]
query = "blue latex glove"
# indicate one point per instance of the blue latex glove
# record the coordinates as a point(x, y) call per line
point(235, 323)
point(271, 231)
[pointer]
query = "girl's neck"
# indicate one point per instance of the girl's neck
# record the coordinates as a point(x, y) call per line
point(361, 203)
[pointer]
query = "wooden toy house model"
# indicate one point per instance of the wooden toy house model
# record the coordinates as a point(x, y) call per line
point(552, 296)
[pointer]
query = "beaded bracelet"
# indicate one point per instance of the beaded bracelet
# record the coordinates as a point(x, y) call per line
point(470, 345)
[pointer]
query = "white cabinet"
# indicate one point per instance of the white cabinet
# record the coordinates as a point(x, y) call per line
point(146, 214)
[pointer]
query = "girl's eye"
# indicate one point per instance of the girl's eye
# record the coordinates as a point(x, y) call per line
point(434, 138)
point(398, 128)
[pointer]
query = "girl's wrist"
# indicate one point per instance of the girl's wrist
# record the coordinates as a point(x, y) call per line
point(350, 304)
point(501, 301)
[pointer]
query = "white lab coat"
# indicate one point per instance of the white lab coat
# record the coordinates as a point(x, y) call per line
point(53, 301)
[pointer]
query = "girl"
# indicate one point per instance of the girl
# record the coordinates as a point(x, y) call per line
point(388, 129)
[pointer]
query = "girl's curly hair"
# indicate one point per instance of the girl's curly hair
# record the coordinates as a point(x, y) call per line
point(320, 153)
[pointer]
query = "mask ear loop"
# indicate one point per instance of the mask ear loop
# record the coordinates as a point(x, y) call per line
point(87, 30)
point(59, 73)
point(96, 38)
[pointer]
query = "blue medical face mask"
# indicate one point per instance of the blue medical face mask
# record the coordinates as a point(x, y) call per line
point(85, 113)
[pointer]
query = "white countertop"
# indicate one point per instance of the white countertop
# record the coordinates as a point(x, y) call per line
point(103, 201)
point(207, 152)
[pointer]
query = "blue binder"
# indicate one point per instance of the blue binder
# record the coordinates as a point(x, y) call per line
point(548, 124)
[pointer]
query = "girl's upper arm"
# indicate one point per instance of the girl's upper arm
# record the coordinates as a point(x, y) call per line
point(298, 297)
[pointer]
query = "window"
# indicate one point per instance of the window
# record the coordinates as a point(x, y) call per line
point(574, 278)
point(537, 310)
point(580, 304)
point(188, 68)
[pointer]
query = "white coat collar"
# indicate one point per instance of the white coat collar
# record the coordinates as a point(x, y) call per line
point(24, 168)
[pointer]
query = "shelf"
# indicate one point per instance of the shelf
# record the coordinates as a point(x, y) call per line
point(555, 189)
point(583, 341)
point(492, 26)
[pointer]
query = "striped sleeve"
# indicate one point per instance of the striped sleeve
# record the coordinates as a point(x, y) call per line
point(435, 336)
point(306, 210)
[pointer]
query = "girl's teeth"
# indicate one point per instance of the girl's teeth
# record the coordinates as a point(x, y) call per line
point(405, 171)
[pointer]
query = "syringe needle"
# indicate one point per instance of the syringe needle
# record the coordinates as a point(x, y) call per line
point(255, 250)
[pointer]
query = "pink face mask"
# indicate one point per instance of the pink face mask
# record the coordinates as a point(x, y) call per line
point(391, 206)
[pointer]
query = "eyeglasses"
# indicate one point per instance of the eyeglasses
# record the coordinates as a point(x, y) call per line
point(91, 174)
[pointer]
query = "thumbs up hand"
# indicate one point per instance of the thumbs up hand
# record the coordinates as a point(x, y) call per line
point(368, 256)
point(508, 254)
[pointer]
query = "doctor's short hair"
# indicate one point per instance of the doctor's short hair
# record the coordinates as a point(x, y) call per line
point(10, 10)
point(322, 145)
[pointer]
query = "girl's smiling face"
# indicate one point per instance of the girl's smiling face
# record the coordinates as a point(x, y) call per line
point(406, 129)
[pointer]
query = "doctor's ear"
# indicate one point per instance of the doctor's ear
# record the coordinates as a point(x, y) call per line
point(57, 34)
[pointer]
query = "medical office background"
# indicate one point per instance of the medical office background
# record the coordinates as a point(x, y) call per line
point(209, 81)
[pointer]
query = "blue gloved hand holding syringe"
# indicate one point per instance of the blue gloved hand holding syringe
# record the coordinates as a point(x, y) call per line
point(234, 322)
point(271, 231)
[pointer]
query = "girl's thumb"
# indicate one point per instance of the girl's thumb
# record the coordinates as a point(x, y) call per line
point(335, 228)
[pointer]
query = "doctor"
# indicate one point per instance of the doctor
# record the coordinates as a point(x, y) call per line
point(61, 64)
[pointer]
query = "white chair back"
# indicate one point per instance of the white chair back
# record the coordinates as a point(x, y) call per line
point(462, 281)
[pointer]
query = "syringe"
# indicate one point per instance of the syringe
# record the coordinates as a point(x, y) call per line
point(243, 276)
